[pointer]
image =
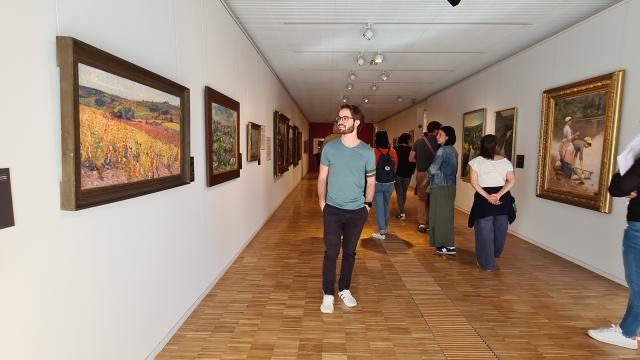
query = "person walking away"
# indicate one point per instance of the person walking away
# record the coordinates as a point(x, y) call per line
point(443, 172)
point(625, 333)
point(386, 163)
point(347, 172)
point(404, 172)
point(423, 153)
point(492, 177)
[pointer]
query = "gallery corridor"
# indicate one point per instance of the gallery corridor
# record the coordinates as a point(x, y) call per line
point(413, 304)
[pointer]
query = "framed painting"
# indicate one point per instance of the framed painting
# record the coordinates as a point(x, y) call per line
point(280, 141)
point(222, 128)
point(125, 129)
point(473, 123)
point(299, 146)
point(296, 153)
point(254, 135)
point(506, 132)
point(578, 141)
point(290, 145)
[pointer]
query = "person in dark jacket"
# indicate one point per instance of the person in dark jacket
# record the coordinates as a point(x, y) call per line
point(625, 334)
point(404, 172)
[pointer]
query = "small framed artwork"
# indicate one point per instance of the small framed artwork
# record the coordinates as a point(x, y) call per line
point(253, 142)
point(578, 141)
point(280, 142)
point(296, 155)
point(506, 132)
point(125, 129)
point(290, 146)
point(473, 123)
point(222, 128)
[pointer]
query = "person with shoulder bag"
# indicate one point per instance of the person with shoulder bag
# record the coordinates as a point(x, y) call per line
point(404, 172)
point(423, 152)
point(386, 163)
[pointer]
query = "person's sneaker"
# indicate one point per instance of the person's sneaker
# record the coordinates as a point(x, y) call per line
point(613, 335)
point(401, 216)
point(378, 236)
point(422, 228)
point(347, 298)
point(446, 250)
point(327, 304)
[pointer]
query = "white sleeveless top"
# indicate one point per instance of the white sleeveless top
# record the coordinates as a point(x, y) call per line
point(491, 173)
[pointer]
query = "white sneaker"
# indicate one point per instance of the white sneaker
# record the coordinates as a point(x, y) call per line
point(378, 236)
point(327, 304)
point(347, 298)
point(613, 335)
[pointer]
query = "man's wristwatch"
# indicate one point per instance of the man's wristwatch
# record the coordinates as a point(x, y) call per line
point(369, 204)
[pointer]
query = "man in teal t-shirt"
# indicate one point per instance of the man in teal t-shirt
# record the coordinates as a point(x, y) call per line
point(349, 166)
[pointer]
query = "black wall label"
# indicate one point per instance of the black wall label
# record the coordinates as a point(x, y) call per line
point(520, 161)
point(6, 204)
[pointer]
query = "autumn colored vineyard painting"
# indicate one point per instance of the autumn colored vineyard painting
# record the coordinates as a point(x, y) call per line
point(128, 131)
point(125, 130)
point(223, 137)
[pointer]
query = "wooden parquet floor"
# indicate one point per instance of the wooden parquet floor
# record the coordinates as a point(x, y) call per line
point(413, 304)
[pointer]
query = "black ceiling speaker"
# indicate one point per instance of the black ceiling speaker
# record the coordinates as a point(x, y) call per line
point(454, 2)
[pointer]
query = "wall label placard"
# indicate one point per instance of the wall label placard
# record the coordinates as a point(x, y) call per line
point(6, 203)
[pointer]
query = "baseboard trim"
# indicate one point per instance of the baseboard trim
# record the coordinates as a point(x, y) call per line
point(165, 340)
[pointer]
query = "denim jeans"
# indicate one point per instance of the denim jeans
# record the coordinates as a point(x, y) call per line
point(401, 185)
point(491, 233)
point(631, 257)
point(382, 198)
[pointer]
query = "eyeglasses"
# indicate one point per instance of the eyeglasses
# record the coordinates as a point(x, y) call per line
point(342, 118)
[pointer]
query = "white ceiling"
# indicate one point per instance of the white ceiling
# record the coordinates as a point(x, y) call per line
point(312, 45)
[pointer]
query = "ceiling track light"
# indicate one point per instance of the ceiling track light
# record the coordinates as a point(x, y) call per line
point(374, 87)
point(384, 76)
point(368, 32)
point(360, 60)
point(349, 86)
point(365, 99)
point(377, 59)
point(352, 75)
point(454, 2)
point(399, 99)
point(345, 98)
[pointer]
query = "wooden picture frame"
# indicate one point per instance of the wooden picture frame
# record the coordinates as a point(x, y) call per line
point(280, 141)
point(299, 145)
point(473, 128)
point(125, 129)
point(578, 141)
point(290, 145)
point(505, 131)
point(222, 128)
point(254, 137)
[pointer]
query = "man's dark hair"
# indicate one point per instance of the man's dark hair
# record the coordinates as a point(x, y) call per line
point(356, 114)
point(404, 138)
point(433, 126)
point(451, 135)
point(382, 140)
point(488, 146)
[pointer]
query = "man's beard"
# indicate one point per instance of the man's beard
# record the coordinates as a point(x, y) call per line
point(344, 130)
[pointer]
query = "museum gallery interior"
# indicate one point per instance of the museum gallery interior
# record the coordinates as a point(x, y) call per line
point(159, 166)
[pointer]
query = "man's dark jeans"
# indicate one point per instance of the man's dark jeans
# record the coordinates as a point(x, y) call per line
point(341, 227)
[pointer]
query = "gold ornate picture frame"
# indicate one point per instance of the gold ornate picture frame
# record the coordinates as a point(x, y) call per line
point(578, 141)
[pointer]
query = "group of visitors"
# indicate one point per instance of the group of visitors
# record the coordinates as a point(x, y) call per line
point(349, 168)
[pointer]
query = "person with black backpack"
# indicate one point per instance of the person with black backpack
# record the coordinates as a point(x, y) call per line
point(386, 164)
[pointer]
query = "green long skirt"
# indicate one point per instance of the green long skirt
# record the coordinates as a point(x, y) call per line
point(441, 209)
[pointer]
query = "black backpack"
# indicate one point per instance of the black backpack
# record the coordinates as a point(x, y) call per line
point(384, 168)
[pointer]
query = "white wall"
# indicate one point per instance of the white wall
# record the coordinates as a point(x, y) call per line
point(601, 44)
point(111, 282)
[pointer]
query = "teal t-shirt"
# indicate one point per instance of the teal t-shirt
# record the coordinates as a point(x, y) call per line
point(348, 168)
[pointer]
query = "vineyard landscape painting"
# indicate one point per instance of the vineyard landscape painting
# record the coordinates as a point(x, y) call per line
point(472, 131)
point(128, 131)
point(222, 125)
point(125, 129)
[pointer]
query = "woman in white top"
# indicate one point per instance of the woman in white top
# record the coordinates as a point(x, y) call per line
point(493, 206)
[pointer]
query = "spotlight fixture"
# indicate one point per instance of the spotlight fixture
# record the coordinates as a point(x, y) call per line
point(399, 99)
point(345, 98)
point(349, 86)
point(352, 75)
point(454, 2)
point(377, 59)
point(374, 87)
point(360, 60)
point(384, 76)
point(365, 99)
point(368, 32)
